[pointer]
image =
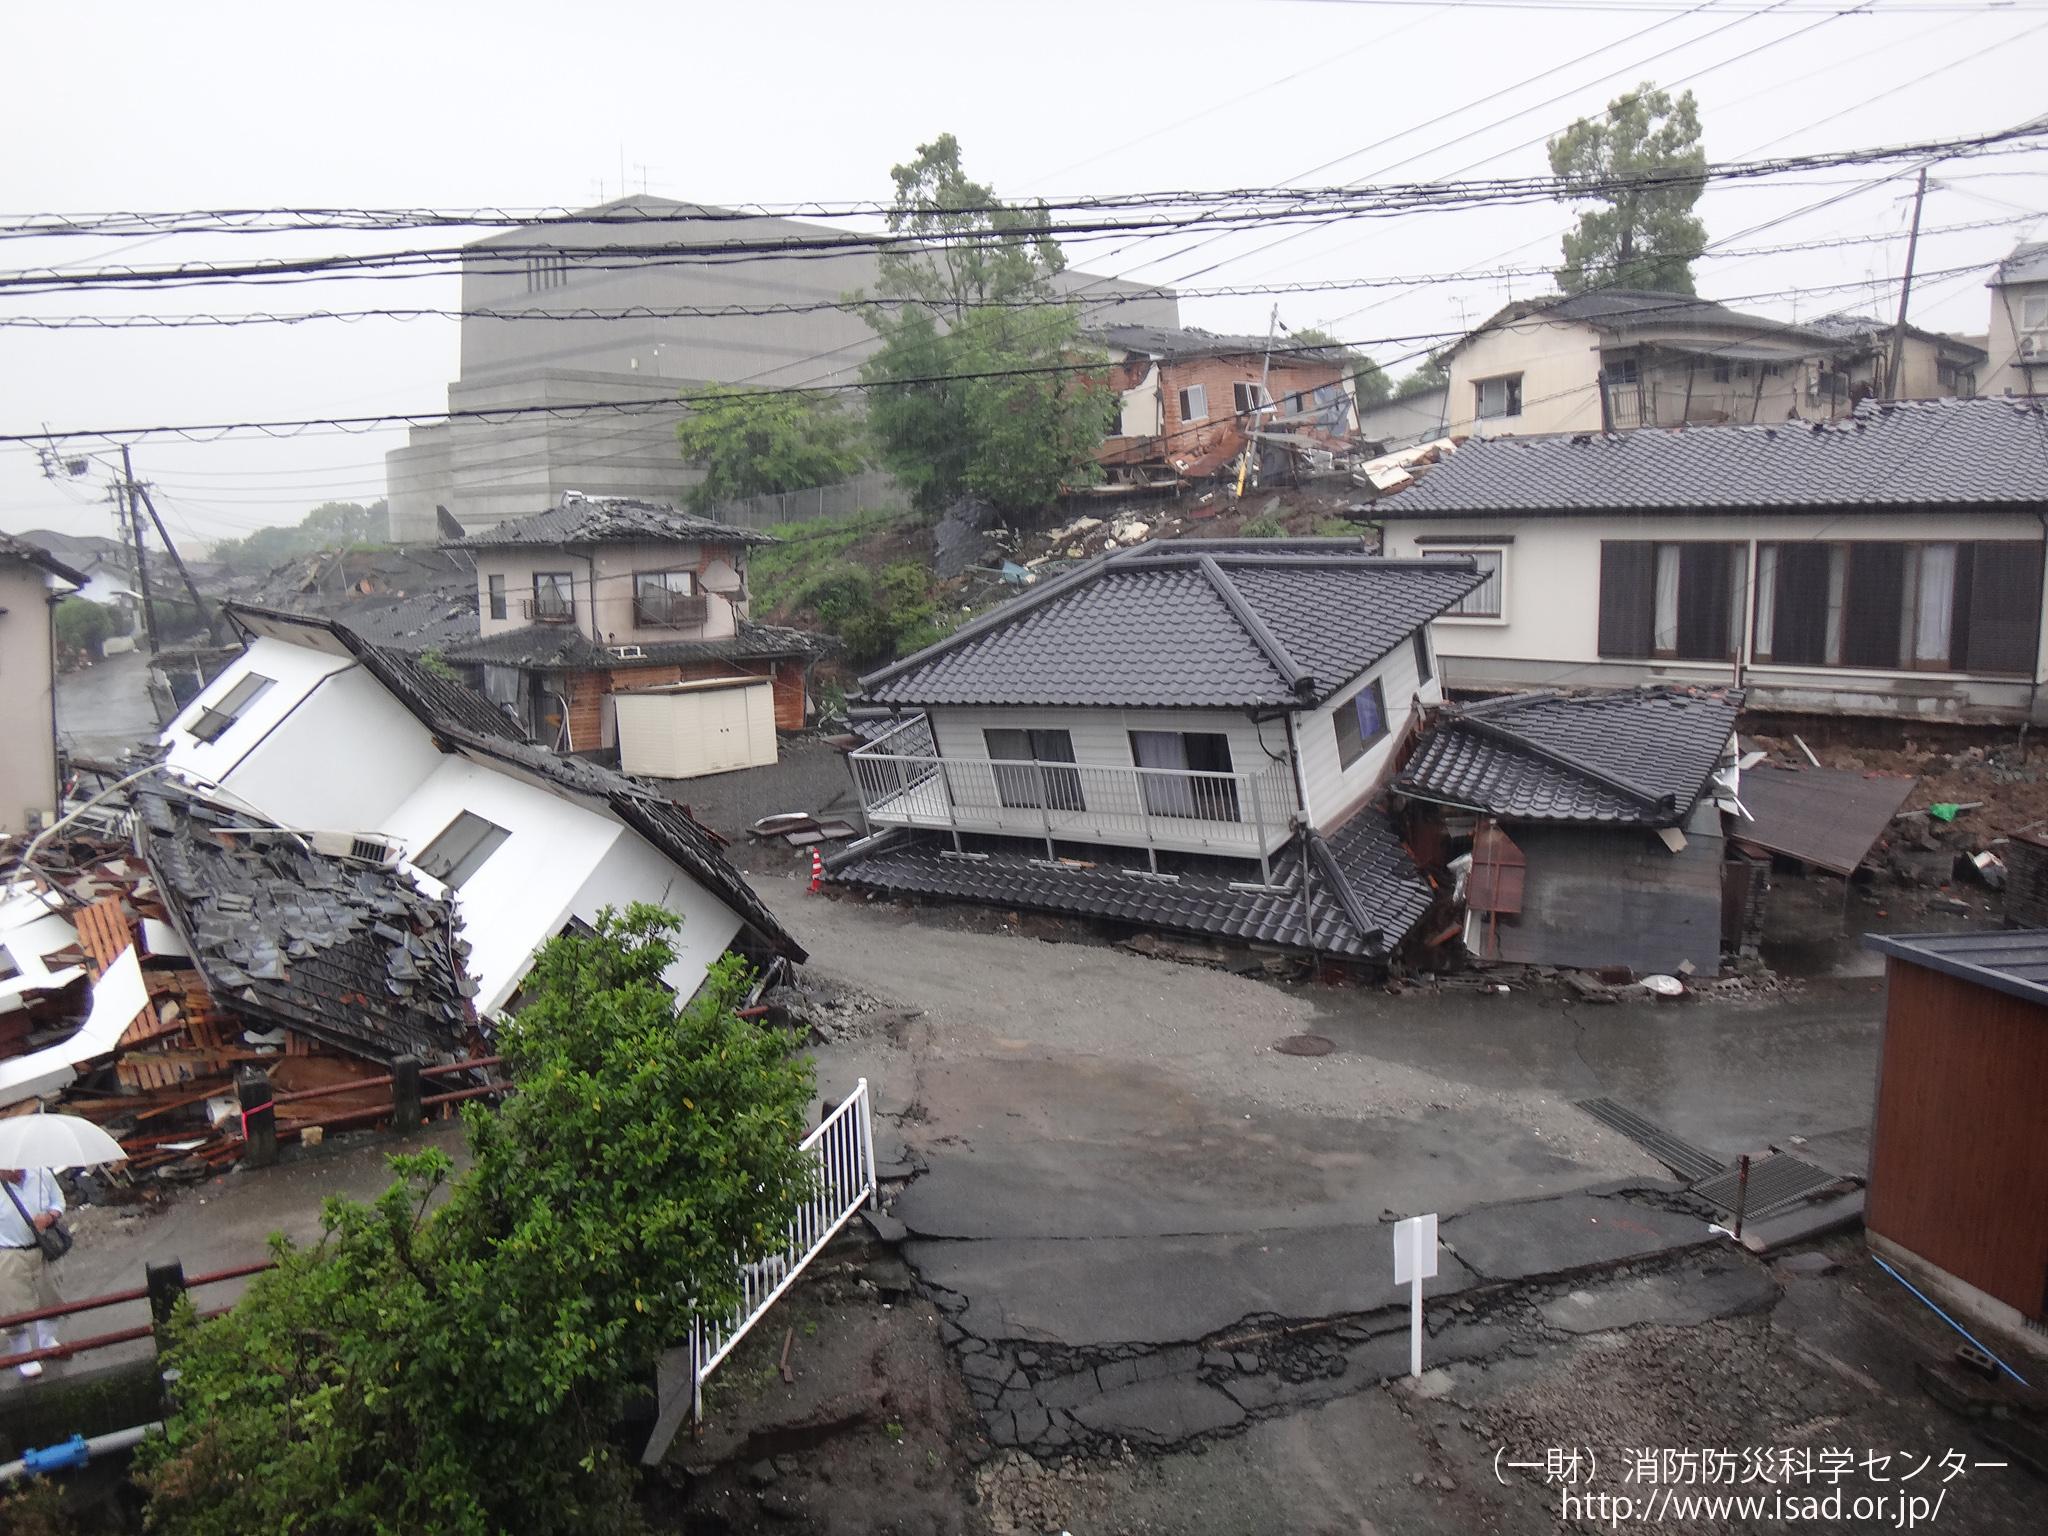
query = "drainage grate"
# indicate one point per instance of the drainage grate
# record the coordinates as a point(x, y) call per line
point(1774, 1183)
point(1682, 1158)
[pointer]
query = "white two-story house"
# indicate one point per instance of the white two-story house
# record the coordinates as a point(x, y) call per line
point(1187, 735)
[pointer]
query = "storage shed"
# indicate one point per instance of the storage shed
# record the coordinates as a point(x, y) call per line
point(685, 730)
point(1958, 1194)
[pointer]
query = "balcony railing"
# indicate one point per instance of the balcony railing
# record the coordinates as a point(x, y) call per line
point(550, 608)
point(671, 610)
point(1242, 815)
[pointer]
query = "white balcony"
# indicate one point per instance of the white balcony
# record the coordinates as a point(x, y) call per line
point(903, 782)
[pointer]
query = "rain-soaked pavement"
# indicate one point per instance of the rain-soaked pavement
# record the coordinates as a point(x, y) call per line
point(105, 707)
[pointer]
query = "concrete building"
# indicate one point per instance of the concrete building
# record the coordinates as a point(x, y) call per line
point(651, 320)
point(1618, 359)
point(2018, 337)
point(32, 581)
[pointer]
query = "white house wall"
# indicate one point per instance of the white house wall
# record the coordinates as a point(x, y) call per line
point(295, 671)
point(631, 871)
point(1335, 792)
point(604, 612)
point(1102, 736)
point(1549, 632)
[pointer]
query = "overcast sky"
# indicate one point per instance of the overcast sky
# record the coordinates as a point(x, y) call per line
point(515, 105)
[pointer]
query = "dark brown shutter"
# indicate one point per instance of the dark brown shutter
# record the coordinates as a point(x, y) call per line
point(1628, 597)
point(2005, 607)
point(1872, 598)
point(1703, 602)
point(1800, 630)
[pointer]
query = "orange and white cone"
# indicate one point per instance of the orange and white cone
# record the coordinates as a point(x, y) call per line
point(817, 870)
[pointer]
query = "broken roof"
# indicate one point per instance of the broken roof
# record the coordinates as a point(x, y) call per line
point(35, 554)
point(1195, 623)
point(1628, 312)
point(558, 647)
point(348, 953)
point(1170, 345)
point(1923, 454)
point(1364, 894)
point(1638, 757)
point(2028, 263)
point(1869, 328)
point(584, 519)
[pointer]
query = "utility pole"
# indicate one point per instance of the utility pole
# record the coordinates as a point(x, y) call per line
point(137, 489)
point(132, 513)
point(1891, 384)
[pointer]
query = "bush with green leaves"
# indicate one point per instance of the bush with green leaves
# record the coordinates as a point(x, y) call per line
point(83, 625)
point(456, 1356)
point(1262, 528)
point(755, 442)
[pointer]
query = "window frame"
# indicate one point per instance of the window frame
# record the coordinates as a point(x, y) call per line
point(1193, 395)
point(563, 585)
point(1249, 390)
point(216, 719)
point(1425, 662)
point(479, 838)
point(1480, 552)
point(1353, 745)
point(1511, 397)
point(497, 599)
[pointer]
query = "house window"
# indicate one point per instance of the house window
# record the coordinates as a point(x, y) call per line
point(1249, 396)
point(1625, 370)
point(1498, 397)
point(554, 596)
point(497, 595)
point(1036, 784)
point(1191, 776)
point(1724, 372)
point(461, 849)
point(544, 272)
point(217, 717)
point(1425, 667)
point(1484, 600)
point(1360, 721)
point(1672, 602)
point(1905, 607)
point(667, 600)
point(1194, 403)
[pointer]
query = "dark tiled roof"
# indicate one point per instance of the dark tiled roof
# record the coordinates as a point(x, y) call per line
point(559, 647)
point(1918, 453)
point(355, 956)
point(1383, 886)
point(2014, 962)
point(608, 520)
point(1178, 625)
point(35, 554)
point(1869, 328)
point(1623, 310)
point(1189, 342)
point(1638, 757)
point(2027, 264)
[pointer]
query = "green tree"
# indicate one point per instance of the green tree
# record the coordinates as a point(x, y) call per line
point(331, 525)
point(1430, 374)
point(1366, 377)
point(1643, 159)
point(754, 442)
point(981, 382)
point(460, 1364)
point(83, 625)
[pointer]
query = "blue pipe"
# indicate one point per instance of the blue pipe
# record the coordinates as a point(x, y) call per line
point(1909, 1285)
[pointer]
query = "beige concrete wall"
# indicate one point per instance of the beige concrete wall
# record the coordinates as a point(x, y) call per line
point(1559, 362)
point(28, 702)
point(2003, 374)
point(603, 582)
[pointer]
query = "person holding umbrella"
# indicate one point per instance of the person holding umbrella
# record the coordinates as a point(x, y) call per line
point(32, 1147)
point(26, 1283)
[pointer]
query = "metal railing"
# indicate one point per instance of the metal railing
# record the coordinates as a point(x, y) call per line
point(549, 608)
point(844, 1146)
point(1244, 815)
point(671, 610)
point(64, 1350)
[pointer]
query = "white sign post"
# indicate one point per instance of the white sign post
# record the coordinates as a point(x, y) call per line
point(1415, 1262)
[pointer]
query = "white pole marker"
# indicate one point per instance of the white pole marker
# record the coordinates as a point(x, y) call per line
point(1415, 1262)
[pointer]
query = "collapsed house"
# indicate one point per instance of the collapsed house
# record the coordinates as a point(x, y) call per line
point(1590, 824)
point(1186, 736)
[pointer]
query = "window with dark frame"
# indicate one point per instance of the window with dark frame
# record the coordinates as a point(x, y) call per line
point(461, 849)
point(554, 595)
point(1484, 600)
point(1360, 721)
point(1249, 395)
point(667, 600)
point(1195, 781)
point(1023, 777)
point(1194, 403)
point(499, 608)
point(214, 720)
point(1496, 398)
point(1672, 602)
point(1425, 668)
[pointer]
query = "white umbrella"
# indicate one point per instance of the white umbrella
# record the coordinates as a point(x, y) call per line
point(55, 1141)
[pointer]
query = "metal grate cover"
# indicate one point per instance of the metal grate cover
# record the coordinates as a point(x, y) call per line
point(1774, 1183)
point(1682, 1158)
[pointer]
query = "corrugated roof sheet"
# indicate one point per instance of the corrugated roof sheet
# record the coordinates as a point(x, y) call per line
point(1918, 453)
point(2014, 961)
point(608, 520)
point(1154, 626)
point(1382, 882)
point(357, 956)
point(1636, 757)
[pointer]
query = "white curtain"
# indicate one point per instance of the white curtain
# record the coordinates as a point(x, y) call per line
point(1163, 796)
point(1738, 596)
point(1931, 640)
point(1766, 600)
point(1838, 582)
point(1665, 642)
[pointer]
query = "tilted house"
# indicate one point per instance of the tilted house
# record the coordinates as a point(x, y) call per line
point(601, 595)
point(32, 581)
point(377, 759)
point(1596, 836)
point(1887, 564)
point(1186, 735)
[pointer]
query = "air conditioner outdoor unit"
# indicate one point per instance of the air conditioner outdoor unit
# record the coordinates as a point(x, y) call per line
point(356, 846)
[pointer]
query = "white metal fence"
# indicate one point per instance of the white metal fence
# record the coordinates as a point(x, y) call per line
point(844, 1146)
point(875, 491)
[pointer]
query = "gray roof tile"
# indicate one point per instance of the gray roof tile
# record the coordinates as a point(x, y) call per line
point(558, 647)
point(607, 520)
point(1930, 454)
point(1640, 757)
point(1150, 627)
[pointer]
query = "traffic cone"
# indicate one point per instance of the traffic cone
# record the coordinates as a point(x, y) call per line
point(817, 871)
